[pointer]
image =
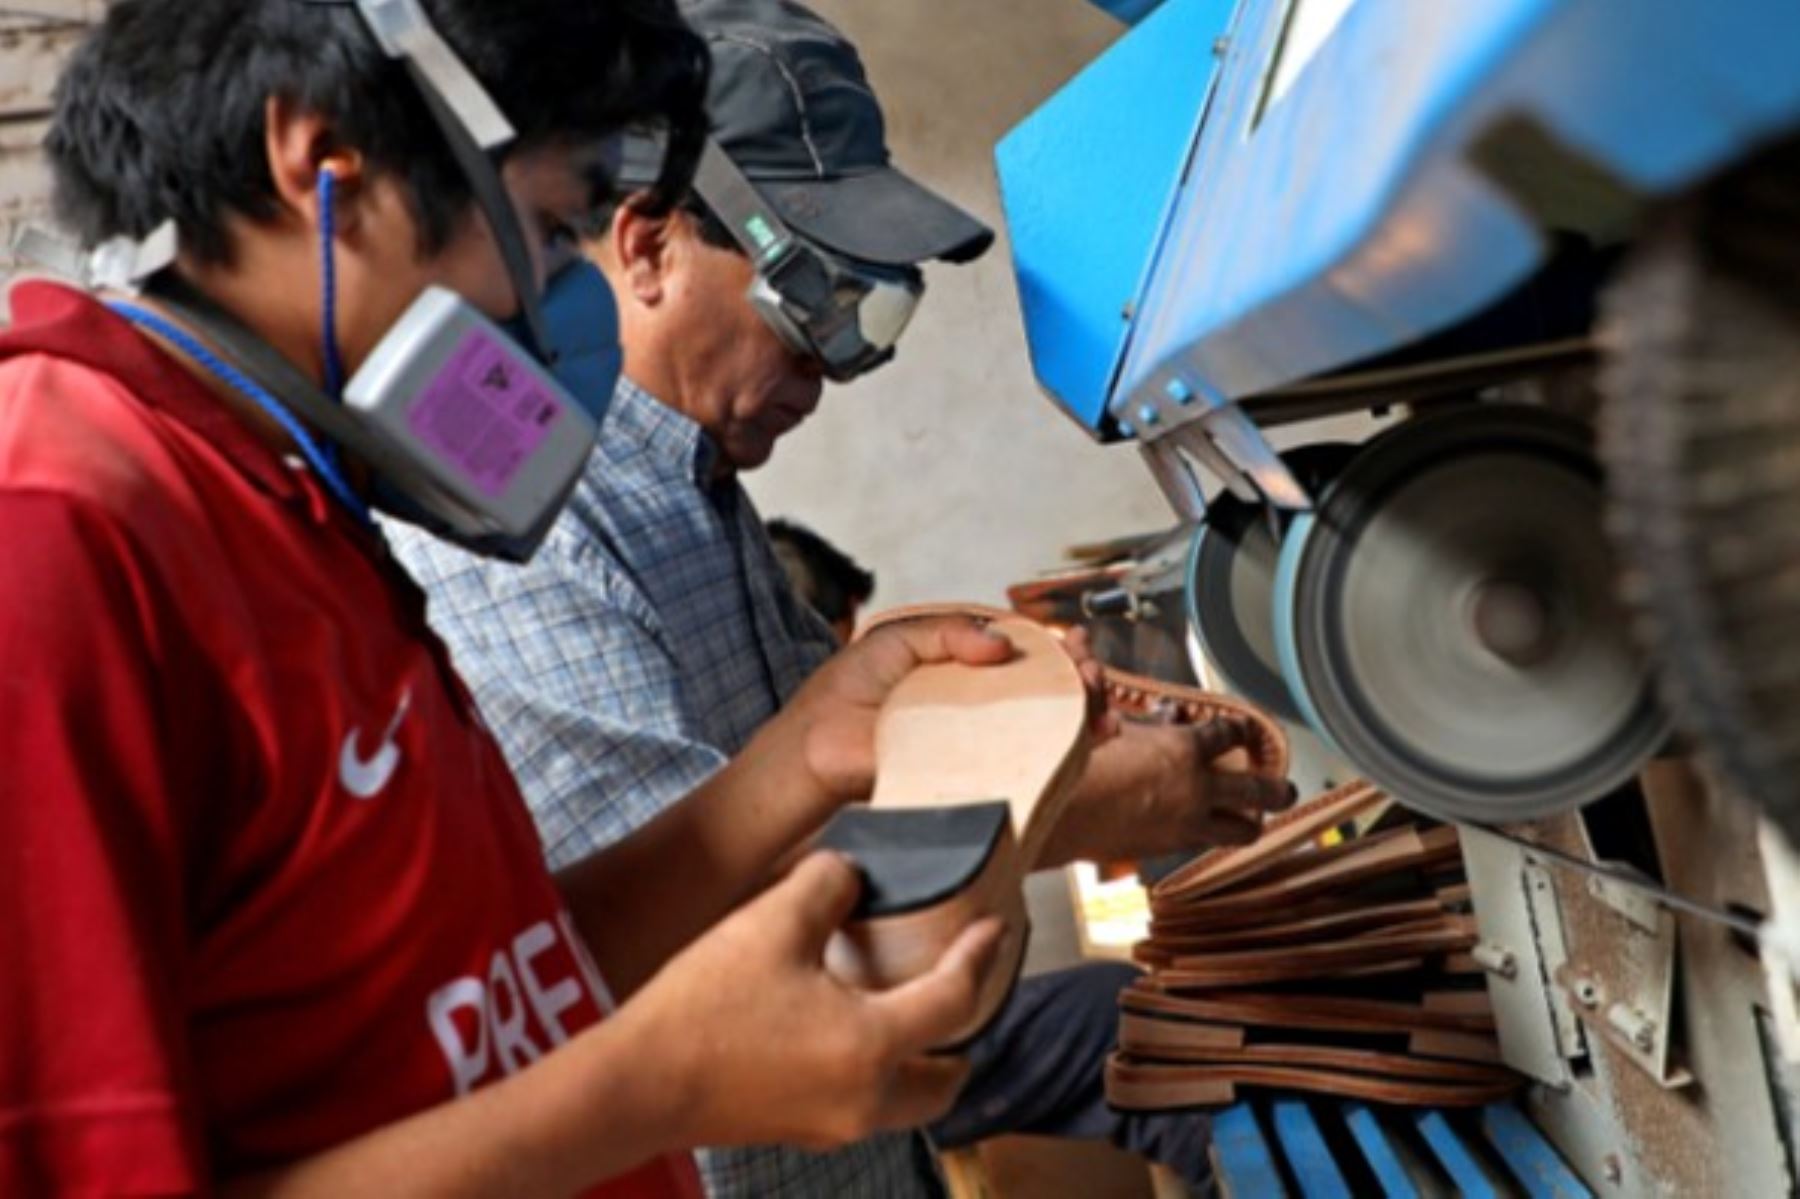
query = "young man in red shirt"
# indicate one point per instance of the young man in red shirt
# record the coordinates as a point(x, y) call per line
point(272, 914)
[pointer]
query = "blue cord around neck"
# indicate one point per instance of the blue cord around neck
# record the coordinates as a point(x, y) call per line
point(310, 447)
point(334, 359)
point(333, 356)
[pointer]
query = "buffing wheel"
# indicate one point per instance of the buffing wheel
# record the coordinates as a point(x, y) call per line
point(1445, 619)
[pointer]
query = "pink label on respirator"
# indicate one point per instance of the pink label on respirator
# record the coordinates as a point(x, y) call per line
point(483, 414)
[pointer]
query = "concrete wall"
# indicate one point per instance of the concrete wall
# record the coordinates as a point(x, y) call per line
point(947, 472)
point(35, 39)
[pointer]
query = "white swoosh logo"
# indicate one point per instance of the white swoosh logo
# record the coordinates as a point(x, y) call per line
point(363, 777)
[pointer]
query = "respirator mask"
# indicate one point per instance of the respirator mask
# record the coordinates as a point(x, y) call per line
point(473, 430)
point(845, 315)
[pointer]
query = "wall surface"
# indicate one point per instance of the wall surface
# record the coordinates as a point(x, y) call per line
point(35, 39)
point(947, 472)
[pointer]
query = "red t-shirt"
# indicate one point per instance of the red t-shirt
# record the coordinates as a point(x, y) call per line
point(266, 883)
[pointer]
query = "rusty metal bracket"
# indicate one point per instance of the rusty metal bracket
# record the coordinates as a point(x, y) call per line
point(1521, 945)
point(1628, 1000)
point(1633, 903)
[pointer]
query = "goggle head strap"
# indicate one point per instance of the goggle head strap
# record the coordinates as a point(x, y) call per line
point(475, 129)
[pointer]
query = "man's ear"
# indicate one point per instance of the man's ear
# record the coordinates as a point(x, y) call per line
point(301, 146)
point(641, 251)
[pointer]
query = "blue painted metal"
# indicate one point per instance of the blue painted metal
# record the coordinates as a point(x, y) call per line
point(1352, 217)
point(1128, 11)
point(1384, 1161)
point(1472, 1182)
point(1087, 181)
point(1307, 1154)
point(1531, 1158)
point(1246, 1166)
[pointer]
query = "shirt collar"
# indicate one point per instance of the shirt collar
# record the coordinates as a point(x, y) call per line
point(674, 441)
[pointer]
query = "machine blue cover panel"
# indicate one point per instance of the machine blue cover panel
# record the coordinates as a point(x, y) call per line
point(1352, 215)
point(1086, 182)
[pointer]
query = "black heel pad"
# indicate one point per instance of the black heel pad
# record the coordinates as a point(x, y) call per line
point(912, 858)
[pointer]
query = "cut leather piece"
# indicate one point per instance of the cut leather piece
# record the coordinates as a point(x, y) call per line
point(1176, 1040)
point(1319, 1013)
point(1198, 920)
point(1458, 895)
point(1282, 834)
point(1148, 1039)
point(1397, 966)
point(1327, 969)
point(1316, 928)
point(951, 734)
point(1404, 849)
point(1468, 1047)
point(1295, 963)
point(1144, 1086)
point(1173, 908)
point(1138, 695)
point(1477, 1002)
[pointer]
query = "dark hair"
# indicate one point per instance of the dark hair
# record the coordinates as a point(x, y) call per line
point(828, 579)
point(160, 114)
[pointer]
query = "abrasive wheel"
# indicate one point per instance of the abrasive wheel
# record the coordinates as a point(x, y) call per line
point(1700, 432)
point(1229, 586)
point(1446, 619)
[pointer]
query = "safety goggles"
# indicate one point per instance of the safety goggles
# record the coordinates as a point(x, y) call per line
point(845, 315)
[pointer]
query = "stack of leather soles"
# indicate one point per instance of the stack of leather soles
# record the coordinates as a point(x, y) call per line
point(1336, 970)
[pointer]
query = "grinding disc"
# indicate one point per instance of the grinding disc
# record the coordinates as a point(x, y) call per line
point(1230, 583)
point(1445, 619)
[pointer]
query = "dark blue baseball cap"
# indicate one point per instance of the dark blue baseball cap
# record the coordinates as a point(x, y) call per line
point(791, 105)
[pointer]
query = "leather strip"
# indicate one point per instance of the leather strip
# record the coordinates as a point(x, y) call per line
point(1297, 963)
point(1146, 1039)
point(1315, 928)
point(1468, 1047)
point(1358, 939)
point(1304, 862)
point(1410, 850)
point(1319, 1013)
point(1281, 835)
point(1134, 1085)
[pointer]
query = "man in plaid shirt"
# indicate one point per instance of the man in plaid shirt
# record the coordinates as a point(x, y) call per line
point(655, 631)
